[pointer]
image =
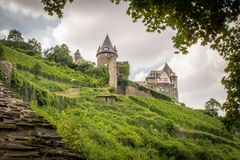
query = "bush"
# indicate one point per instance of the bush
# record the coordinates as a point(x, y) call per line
point(1, 52)
point(83, 67)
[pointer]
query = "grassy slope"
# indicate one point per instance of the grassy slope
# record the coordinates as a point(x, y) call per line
point(132, 127)
point(52, 70)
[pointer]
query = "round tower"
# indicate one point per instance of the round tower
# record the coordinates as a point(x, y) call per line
point(107, 57)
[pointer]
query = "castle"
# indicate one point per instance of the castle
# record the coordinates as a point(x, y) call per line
point(164, 81)
point(107, 56)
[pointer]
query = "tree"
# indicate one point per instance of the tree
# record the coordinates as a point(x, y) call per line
point(36, 69)
point(232, 84)
point(55, 6)
point(212, 106)
point(214, 23)
point(36, 46)
point(15, 35)
point(84, 66)
point(59, 54)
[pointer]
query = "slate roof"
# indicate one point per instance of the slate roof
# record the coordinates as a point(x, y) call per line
point(107, 46)
point(165, 69)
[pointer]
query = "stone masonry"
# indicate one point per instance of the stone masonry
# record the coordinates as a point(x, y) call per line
point(24, 135)
point(6, 70)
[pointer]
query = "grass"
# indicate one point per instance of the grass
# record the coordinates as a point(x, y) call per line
point(51, 85)
point(128, 130)
point(50, 70)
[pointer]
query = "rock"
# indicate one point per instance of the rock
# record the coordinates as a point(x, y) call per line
point(6, 68)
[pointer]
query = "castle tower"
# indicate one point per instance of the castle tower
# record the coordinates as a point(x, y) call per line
point(77, 57)
point(173, 79)
point(107, 57)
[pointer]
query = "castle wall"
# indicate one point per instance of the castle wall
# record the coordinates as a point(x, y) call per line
point(112, 69)
point(102, 59)
point(133, 91)
point(150, 80)
point(109, 60)
point(165, 88)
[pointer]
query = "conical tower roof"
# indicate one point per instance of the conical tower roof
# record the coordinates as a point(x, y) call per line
point(107, 46)
point(77, 52)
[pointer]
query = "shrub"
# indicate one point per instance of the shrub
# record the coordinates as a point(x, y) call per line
point(36, 69)
point(1, 52)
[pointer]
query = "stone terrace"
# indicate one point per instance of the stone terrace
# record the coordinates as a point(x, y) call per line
point(24, 135)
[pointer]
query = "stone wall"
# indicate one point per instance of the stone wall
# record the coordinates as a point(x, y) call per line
point(133, 91)
point(106, 99)
point(109, 60)
point(24, 135)
point(6, 70)
point(112, 69)
point(102, 59)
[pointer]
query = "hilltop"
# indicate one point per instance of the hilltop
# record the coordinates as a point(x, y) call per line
point(132, 127)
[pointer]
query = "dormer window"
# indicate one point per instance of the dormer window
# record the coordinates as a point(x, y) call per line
point(105, 48)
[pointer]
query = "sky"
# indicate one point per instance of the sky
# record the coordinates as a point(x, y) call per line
point(86, 23)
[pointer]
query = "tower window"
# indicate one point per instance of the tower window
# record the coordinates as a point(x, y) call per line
point(105, 48)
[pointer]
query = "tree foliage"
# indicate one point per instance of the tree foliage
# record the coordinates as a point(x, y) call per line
point(15, 35)
point(193, 20)
point(212, 106)
point(36, 46)
point(1, 52)
point(84, 66)
point(59, 54)
point(36, 69)
point(55, 6)
point(232, 84)
point(15, 40)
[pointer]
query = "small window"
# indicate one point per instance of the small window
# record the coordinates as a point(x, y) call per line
point(105, 48)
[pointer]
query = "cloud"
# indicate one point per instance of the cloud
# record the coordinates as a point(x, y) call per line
point(199, 75)
point(85, 25)
point(4, 33)
point(28, 8)
point(140, 76)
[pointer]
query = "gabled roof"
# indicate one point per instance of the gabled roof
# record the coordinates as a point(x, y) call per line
point(156, 73)
point(107, 46)
point(168, 70)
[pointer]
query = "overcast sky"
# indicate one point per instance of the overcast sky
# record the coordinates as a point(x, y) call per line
point(85, 25)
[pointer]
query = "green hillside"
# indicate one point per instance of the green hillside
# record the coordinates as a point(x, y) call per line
point(130, 128)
